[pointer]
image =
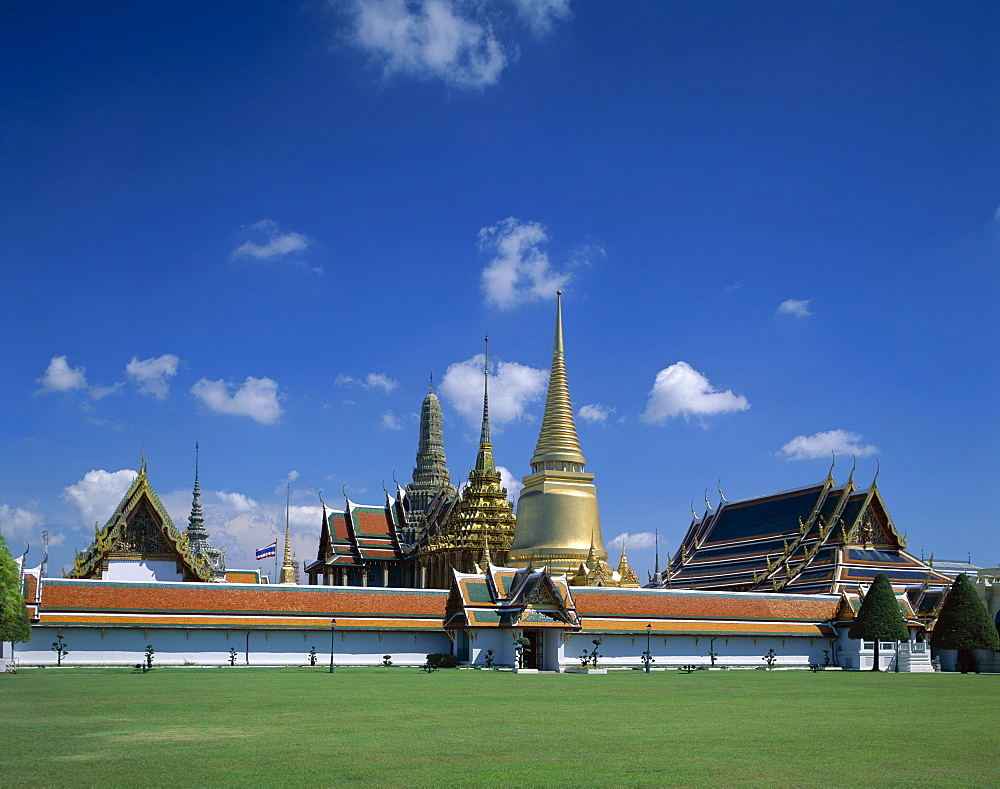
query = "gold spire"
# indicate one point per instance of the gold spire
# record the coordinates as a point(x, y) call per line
point(287, 574)
point(557, 515)
point(557, 441)
point(626, 575)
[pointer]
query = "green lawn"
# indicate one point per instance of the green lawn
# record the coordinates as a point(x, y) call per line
point(401, 727)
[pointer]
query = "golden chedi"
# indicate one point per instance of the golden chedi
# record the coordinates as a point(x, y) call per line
point(557, 516)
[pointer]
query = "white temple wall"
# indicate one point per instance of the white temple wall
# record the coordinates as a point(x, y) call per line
point(122, 646)
point(618, 649)
point(141, 570)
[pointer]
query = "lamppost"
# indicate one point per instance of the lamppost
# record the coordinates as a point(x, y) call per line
point(649, 629)
point(333, 630)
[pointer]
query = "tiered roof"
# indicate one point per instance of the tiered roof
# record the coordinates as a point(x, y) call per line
point(507, 597)
point(824, 538)
point(359, 535)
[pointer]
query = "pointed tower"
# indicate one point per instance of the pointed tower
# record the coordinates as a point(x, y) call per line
point(196, 533)
point(482, 517)
point(430, 475)
point(288, 576)
point(557, 515)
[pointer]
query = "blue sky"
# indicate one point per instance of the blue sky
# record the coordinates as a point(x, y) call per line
point(263, 226)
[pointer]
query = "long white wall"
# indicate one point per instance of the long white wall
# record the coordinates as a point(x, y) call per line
point(120, 646)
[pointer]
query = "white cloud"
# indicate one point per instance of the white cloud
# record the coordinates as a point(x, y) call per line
point(541, 15)
point(98, 493)
point(509, 481)
point(370, 381)
point(257, 398)
point(100, 392)
point(17, 523)
point(236, 502)
point(153, 375)
point(430, 39)
point(799, 308)
point(241, 525)
point(292, 475)
point(390, 422)
point(60, 377)
point(680, 390)
point(512, 388)
point(521, 271)
point(821, 445)
point(643, 539)
point(595, 413)
point(270, 242)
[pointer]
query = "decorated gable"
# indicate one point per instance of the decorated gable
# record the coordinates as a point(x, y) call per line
point(140, 543)
point(505, 597)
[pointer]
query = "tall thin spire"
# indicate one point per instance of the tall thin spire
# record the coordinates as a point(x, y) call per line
point(557, 440)
point(287, 575)
point(484, 460)
point(557, 512)
point(196, 521)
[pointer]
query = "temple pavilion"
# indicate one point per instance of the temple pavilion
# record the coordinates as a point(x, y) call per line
point(820, 539)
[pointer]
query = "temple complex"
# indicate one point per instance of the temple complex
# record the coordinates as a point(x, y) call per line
point(435, 570)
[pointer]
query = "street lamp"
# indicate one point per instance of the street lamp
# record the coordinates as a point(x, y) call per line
point(649, 629)
point(333, 630)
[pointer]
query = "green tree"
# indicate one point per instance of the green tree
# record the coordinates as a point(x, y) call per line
point(14, 623)
point(964, 624)
point(879, 617)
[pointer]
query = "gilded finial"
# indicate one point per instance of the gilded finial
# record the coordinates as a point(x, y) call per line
point(430, 385)
point(878, 468)
point(721, 496)
point(709, 506)
point(833, 462)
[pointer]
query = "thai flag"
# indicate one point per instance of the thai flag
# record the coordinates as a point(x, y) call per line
point(270, 550)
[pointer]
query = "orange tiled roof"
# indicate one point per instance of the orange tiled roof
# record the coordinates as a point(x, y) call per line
point(647, 603)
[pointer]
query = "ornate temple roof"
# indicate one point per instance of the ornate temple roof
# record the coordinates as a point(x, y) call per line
point(140, 529)
point(510, 597)
point(824, 538)
point(358, 535)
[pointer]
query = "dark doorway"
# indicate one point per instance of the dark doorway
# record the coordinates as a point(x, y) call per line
point(533, 659)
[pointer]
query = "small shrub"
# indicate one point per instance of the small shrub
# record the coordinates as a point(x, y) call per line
point(826, 657)
point(59, 647)
point(520, 647)
point(442, 660)
point(489, 658)
point(386, 660)
point(232, 656)
point(312, 656)
point(149, 656)
point(770, 658)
